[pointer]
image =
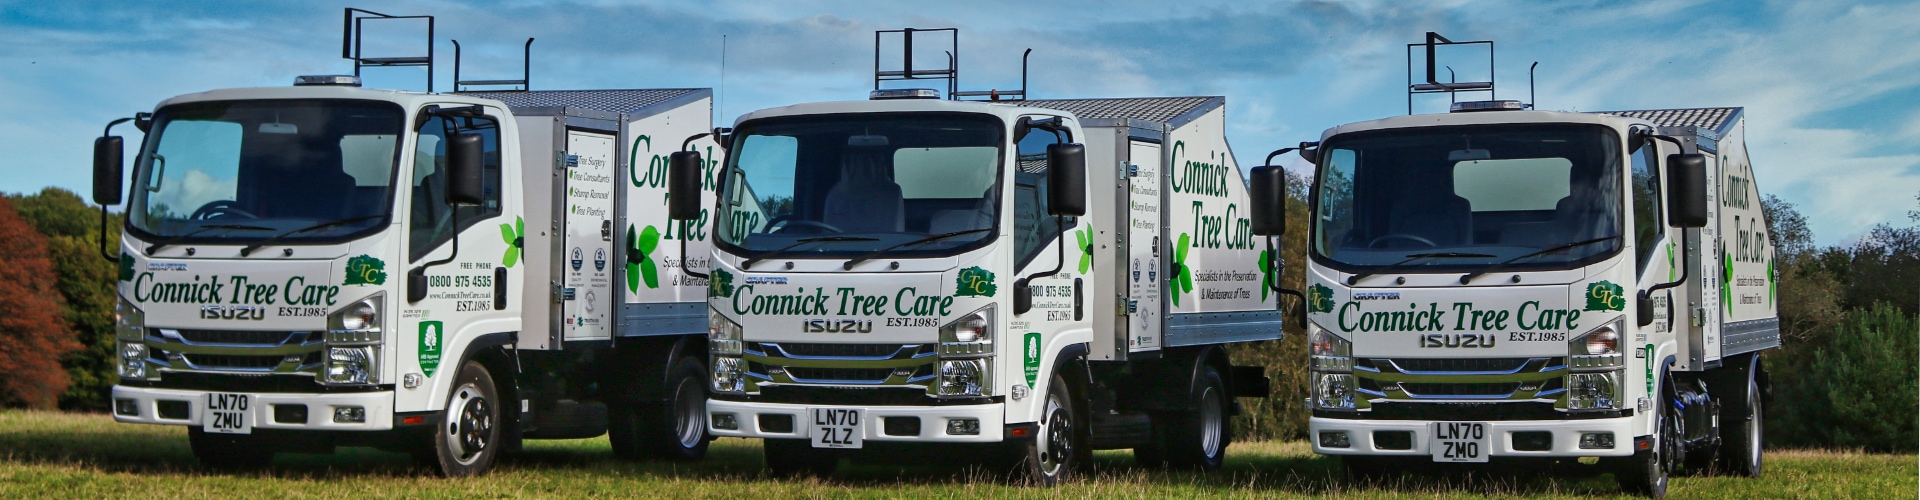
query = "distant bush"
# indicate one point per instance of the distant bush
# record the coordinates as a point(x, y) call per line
point(1860, 390)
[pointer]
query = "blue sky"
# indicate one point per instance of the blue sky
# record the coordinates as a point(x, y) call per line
point(1831, 89)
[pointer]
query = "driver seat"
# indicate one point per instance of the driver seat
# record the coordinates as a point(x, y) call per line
point(866, 199)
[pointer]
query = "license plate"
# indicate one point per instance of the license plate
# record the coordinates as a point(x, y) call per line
point(1458, 442)
point(228, 413)
point(837, 427)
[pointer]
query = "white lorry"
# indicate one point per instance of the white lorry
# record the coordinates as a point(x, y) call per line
point(1020, 281)
point(325, 265)
point(1508, 284)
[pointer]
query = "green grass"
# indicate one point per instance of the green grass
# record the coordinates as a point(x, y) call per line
point(72, 455)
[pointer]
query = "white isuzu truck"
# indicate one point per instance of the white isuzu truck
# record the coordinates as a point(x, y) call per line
point(1021, 282)
point(325, 265)
point(1497, 283)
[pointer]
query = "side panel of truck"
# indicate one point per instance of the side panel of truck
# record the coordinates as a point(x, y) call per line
point(1146, 318)
point(586, 259)
point(1215, 287)
point(659, 297)
point(1752, 320)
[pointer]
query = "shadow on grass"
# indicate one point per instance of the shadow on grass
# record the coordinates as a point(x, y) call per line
point(95, 442)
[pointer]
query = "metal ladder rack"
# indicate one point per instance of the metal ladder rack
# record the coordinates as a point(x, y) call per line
point(526, 71)
point(352, 34)
point(951, 73)
point(1433, 85)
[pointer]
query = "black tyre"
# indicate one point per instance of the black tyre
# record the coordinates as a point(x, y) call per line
point(1373, 469)
point(1646, 472)
point(229, 452)
point(1746, 434)
point(797, 457)
point(675, 429)
point(1196, 438)
point(468, 438)
point(1058, 448)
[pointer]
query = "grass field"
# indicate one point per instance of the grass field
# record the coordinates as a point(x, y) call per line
point(55, 455)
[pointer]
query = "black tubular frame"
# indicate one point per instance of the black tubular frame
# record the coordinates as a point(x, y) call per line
point(1433, 85)
point(352, 33)
point(526, 70)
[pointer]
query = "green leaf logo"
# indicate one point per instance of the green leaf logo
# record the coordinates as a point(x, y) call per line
point(1726, 276)
point(1770, 285)
point(1319, 298)
point(515, 236)
point(1606, 296)
point(1085, 237)
point(641, 267)
point(720, 283)
point(974, 282)
point(1267, 279)
point(1180, 281)
point(126, 267)
point(366, 270)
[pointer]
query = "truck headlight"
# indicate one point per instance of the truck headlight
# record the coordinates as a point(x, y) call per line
point(133, 360)
point(728, 375)
point(963, 377)
point(1592, 391)
point(723, 335)
point(1327, 352)
point(1333, 390)
point(969, 336)
point(1598, 349)
point(357, 323)
point(129, 322)
point(352, 365)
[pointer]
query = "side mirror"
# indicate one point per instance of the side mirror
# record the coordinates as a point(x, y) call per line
point(1267, 186)
point(683, 185)
point(464, 155)
point(107, 169)
point(1687, 190)
point(1643, 308)
point(1067, 179)
point(416, 284)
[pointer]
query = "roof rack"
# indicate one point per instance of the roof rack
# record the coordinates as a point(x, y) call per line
point(353, 33)
point(950, 73)
point(526, 71)
point(1433, 85)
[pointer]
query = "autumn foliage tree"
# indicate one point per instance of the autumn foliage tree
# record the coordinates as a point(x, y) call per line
point(86, 286)
point(33, 335)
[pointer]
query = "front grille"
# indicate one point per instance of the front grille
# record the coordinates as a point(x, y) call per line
point(868, 375)
point(217, 361)
point(1491, 389)
point(248, 337)
point(838, 350)
point(851, 396)
point(241, 382)
point(1455, 364)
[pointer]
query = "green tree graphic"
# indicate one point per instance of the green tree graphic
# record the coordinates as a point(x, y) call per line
point(720, 283)
point(1181, 281)
point(1319, 298)
point(365, 270)
point(515, 235)
point(1606, 296)
point(1085, 237)
point(1267, 279)
point(640, 264)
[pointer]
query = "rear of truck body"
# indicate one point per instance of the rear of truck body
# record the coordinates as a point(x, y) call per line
point(958, 303)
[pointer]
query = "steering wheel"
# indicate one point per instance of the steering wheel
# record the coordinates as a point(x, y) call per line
point(1401, 236)
point(792, 222)
point(220, 208)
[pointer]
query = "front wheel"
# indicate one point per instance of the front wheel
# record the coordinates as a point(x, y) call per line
point(1646, 472)
point(1057, 449)
point(468, 438)
point(228, 452)
point(797, 457)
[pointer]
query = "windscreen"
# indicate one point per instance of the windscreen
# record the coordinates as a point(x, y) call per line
point(834, 185)
point(245, 171)
point(1534, 196)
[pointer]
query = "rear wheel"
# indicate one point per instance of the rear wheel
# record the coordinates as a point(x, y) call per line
point(1198, 437)
point(797, 457)
point(468, 438)
point(1740, 452)
point(229, 452)
point(675, 429)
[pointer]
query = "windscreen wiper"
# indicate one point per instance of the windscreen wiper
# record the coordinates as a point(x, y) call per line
point(856, 260)
point(1502, 265)
point(770, 253)
point(256, 246)
point(1413, 257)
point(209, 227)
